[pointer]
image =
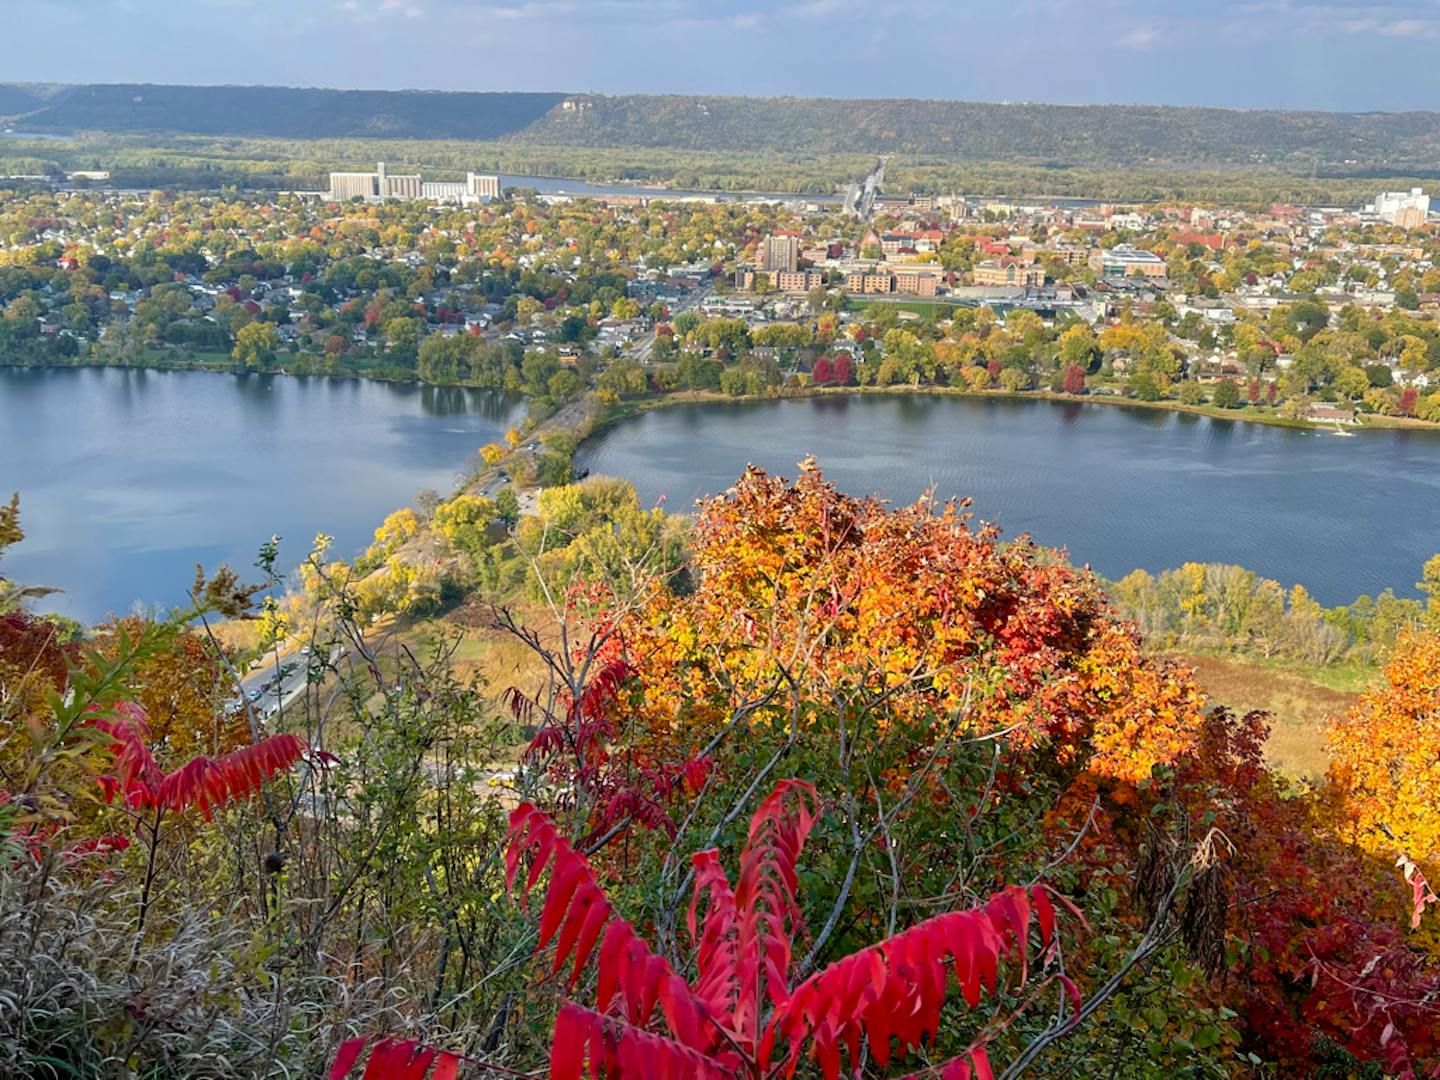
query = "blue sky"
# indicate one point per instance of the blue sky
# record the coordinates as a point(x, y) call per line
point(1239, 53)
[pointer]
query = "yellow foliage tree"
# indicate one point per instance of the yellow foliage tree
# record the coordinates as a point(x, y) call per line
point(1385, 771)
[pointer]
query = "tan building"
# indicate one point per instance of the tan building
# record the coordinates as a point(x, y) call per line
point(797, 281)
point(483, 185)
point(345, 186)
point(1007, 272)
point(780, 251)
point(916, 283)
point(1410, 217)
point(861, 282)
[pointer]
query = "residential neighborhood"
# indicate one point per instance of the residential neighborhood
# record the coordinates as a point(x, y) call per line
point(1291, 307)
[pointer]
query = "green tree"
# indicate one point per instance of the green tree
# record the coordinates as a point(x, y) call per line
point(255, 345)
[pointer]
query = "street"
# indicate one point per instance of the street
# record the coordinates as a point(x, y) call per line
point(267, 693)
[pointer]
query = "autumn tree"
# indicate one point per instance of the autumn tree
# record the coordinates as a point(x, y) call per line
point(255, 345)
point(1385, 770)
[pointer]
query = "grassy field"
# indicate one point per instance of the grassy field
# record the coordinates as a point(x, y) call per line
point(1300, 702)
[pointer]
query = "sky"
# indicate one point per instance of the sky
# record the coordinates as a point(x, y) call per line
point(1233, 53)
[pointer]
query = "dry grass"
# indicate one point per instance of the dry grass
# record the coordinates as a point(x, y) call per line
point(1299, 704)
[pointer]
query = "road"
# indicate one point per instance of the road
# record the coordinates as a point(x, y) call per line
point(270, 694)
point(497, 480)
point(642, 349)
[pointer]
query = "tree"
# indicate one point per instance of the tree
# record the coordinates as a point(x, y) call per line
point(686, 323)
point(1191, 393)
point(1227, 394)
point(1077, 347)
point(823, 372)
point(844, 370)
point(492, 454)
point(1384, 767)
point(507, 506)
point(1014, 380)
point(1145, 386)
point(402, 338)
point(1409, 398)
point(463, 521)
point(1074, 379)
point(255, 345)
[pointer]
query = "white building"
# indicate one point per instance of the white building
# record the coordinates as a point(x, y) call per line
point(380, 185)
point(1405, 208)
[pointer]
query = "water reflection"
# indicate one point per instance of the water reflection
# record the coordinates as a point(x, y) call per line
point(128, 477)
point(1122, 486)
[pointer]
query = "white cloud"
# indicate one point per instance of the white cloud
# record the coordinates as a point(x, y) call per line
point(824, 9)
point(1142, 37)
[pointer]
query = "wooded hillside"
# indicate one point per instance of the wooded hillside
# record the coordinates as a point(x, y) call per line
point(1374, 144)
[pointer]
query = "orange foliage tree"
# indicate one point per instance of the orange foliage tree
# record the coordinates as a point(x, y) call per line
point(811, 604)
point(1386, 757)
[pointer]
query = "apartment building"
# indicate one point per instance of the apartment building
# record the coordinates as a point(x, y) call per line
point(882, 282)
point(780, 251)
point(916, 283)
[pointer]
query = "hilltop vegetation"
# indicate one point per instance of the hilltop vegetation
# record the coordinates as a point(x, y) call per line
point(15, 100)
point(285, 112)
point(1058, 135)
point(935, 132)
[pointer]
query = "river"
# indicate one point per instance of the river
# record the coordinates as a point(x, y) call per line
point(127, 477)
point(1121, 487)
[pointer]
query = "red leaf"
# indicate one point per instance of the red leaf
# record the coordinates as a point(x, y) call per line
point(395, 1059)
point(346, 1058)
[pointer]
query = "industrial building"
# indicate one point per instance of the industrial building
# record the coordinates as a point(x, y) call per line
point(381, 185)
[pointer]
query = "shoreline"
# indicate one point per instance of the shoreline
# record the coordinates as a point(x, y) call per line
point(634, 407)
point(624, 410)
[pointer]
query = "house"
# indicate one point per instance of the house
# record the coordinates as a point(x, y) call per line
point(1329, 414)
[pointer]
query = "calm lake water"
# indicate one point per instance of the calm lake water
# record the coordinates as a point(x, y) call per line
point(1120, 487)
point(127, 478)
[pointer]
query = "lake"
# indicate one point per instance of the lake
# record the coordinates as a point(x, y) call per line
point(128, 477)
point(1121, 487)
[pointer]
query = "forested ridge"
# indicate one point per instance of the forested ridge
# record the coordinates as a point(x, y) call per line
point(285, 112)
point(940, 131)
